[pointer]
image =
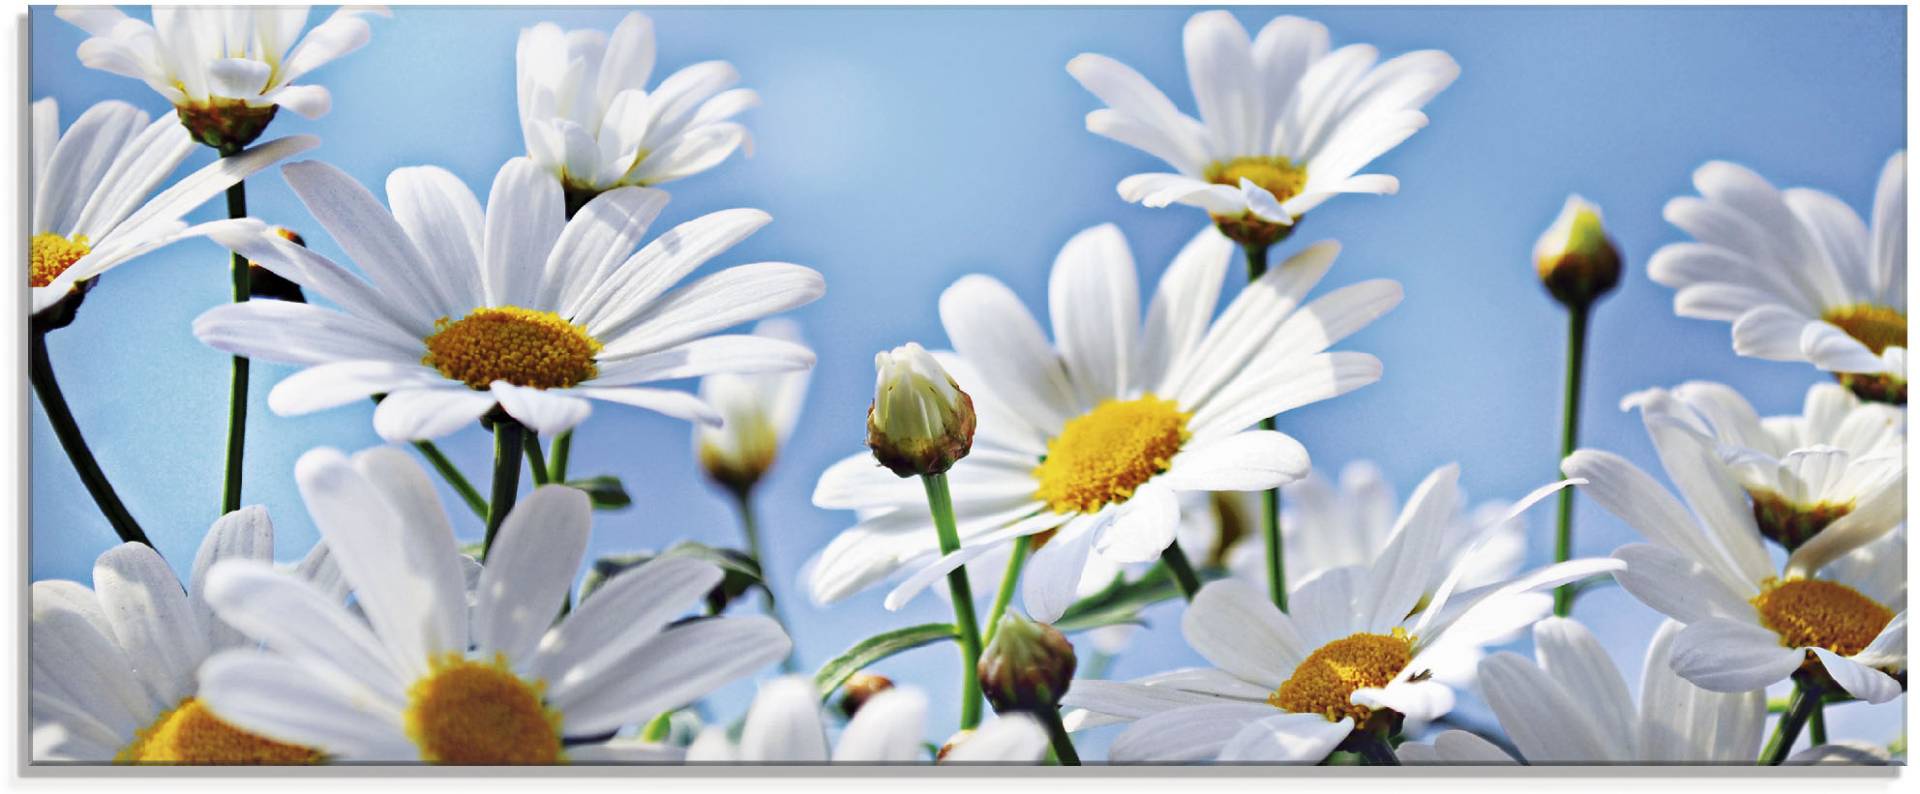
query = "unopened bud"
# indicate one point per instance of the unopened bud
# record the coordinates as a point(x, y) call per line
point(1575, 260)
point(1027, 667)
point(265, 283)
point(860, 688)
point(920, 422)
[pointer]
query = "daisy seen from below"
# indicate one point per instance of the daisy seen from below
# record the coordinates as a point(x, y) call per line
point(1797, 272)
point(516, 306)
point(785, 724)
point(1095, 434)
point(425, 677)
point(113, 667)
point(1285, 122)
point(1349, 665)
point(588, 117)
point(758, 412)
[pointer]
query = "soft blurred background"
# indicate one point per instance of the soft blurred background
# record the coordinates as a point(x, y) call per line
point(898, 149)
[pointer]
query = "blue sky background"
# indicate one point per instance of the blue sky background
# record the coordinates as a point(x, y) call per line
point(898, 149)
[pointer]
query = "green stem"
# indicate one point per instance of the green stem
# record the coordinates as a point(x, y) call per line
point(1569, 438)
point(1057, 733)
point(1176, 560)
point(1787, 730)
point(562, 449)
point(40, 371)
point(1021, 546)
point(940, 502)
point(451, 473)
point(1374, 749)
point(508, 437)
point(237, 395)
point(537, 460)
point(1817, 722)
point(1269, 499)
point(750, 527)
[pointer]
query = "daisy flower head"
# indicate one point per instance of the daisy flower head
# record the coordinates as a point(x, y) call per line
point(588, 117)
point(785, 724)
point(1353, 654)
point(226, 69)
point(1286, 122)
point(426, 676)
point(93, 204)
point(515, 305)
point(1797, 272)
point(113, 667)
point(1094, 435)
point(758, 413)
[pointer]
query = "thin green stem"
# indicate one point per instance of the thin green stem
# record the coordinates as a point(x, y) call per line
point(508, 437)
point(1787, 730)
point(537, 460)
point(1176, 560)
point(1270, 498)
point(940, 502)
point(750, 527)
point(1569, 438)
point(557, 460)
point(1374, 749)
point(1008, 581)
point(40, 371)
point(1817, 722)
point(451, 473)
point(237, 394)
point(1057, 733)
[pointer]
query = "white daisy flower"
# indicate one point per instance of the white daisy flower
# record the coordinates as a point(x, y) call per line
point(425, 676)
point(785, 725)
point(113, 667)
point(91, 210)
point(1284, 125)
point(587, 116)
point(758, 413)
point(1803, 472)
point(227, 69)
point(1796, 272)
point(1353, 654)
point(516, 305)
point(1748, 625)
point(1096, 433)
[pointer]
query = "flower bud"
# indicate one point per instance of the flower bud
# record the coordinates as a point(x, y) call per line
point(860, 688)
point(265, 283)
point(1576, 261)
point(920, 422)
point(1027, 667)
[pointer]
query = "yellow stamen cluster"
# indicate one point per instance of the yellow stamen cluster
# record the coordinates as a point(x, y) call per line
point(472, 712)
point(523, 347)
point(50, 254)
point(1811, 613)
point(1324, 683)
point(1877, 327)
point(1103, 455)
point(1277, 174)
point(190, 734)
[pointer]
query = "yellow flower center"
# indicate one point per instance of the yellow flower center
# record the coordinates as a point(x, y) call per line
point(470, 712)
point(1877, 327)
point(1103, 455)
point(1812, 613)
point(50, 254)
point(1791, 524)
point(523, 347)
point(190, 734)
point(1277, 174)
point(1324, 684)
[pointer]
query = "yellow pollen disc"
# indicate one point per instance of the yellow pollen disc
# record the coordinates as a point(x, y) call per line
point(1103, 455)
point(1277, 174)
point(1812, 613)
point(470, 712)
point(190, 734)
point(520, 346)
point(1877, 327)
point(1324, 684)
point(50, 254)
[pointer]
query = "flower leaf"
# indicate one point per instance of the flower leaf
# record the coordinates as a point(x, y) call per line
point(877, 647)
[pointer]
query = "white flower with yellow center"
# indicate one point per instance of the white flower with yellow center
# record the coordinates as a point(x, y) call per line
point(1096, 433)
point(1354, 652)
point(758, 413)
point(426, 677)
point(91, 209)
point(113, 667)
point(588, 117)
point(1284, 125)
point(785, 725)
point(515, 306)
point(1797, 272)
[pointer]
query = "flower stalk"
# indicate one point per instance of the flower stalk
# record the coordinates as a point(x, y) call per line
point(750, 528)
point(557, 459)
point(1270, 498)
point(1175, 558)
point(1008, 581)
point(47, 388)
point(1800, 709)
point(1057, 735)
point(1569, 440)
point(940, 502)
point(237, 393)
point(508, 439)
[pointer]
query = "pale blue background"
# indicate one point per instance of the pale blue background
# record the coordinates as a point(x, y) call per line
point(901, 148)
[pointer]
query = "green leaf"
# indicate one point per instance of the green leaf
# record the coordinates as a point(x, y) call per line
point(877, 647)
point(741, 572)
point(605, 490)
point(1121, 601)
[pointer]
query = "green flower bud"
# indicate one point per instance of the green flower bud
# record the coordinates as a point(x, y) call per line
point(1576, 261)
point(920, 422)
point(1027, 667)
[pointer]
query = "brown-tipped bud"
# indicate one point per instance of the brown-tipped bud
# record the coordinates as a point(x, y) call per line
point(1574, 258)
point(958, 738)
point(227, 125)
point(920, 421)
point(1027, 667)
point(860, 688)
point(265, 283)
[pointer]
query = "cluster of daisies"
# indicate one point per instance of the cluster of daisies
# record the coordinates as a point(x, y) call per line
point(1079, 473)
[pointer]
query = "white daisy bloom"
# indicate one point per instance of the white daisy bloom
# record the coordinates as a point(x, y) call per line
point(1796, 271)
point(1354, 652)
point(1096, 433)
point(223, 60)
point(1285, 122)
point(758, 412)
point(587, 116)
point(1747, 625)
point(516, 306)
point(91, 209)
point(113, 667)
point(425, 676)
point(785, 724)
point(1803, 472)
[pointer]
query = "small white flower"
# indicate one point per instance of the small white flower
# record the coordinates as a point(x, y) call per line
point(758, 412)
point(785, 725)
